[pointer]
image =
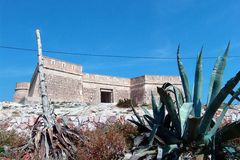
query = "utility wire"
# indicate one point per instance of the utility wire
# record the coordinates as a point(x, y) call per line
point(105, 55)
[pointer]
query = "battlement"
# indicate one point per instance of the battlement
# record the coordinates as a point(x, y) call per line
point(22, 86)
point(104, 79)
point(155, 79)
point(59, 65)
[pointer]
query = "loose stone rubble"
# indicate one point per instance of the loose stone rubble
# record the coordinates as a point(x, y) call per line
point(14, 116)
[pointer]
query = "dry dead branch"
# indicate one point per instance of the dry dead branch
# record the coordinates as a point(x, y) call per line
point(49, 139)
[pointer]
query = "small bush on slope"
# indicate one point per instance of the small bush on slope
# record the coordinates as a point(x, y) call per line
point(10, 139)
point(107, 141)
point(126, 103)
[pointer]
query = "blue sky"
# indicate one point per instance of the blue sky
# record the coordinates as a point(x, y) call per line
point(117, 27)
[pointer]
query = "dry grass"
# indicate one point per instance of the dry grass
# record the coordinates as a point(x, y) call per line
point(9, 140)
point(107, 141)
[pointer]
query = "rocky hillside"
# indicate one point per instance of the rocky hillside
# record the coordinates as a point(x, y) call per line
point(21, 117)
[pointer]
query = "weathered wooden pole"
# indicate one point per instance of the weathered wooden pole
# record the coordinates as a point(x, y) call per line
point(47, 111)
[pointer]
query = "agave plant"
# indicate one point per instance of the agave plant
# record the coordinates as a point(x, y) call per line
point(177, 125)
point(49, 139)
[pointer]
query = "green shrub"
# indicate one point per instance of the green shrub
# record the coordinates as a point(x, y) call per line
point(126, 103)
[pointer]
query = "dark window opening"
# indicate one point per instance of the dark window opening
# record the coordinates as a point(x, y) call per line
point(106, 96)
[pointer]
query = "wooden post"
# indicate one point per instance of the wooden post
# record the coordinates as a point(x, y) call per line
point(47, 111)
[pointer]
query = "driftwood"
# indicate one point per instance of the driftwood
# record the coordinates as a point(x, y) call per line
point(49, 139)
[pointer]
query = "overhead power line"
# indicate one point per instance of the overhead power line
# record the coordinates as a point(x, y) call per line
point(105, 55)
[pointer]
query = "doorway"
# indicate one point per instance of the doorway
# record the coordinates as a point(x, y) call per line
point(106, 95)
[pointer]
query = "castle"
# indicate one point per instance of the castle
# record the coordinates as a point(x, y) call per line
point(67, 82)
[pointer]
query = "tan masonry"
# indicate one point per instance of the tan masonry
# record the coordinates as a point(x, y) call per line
point(67, 82)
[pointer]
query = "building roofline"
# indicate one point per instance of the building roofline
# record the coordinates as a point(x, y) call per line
point(62, 61)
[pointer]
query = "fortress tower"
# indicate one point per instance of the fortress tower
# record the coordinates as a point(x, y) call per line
point(21, 92)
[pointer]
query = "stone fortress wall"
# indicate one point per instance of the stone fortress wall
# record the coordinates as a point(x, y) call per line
point(67, 82)
point(93, 84)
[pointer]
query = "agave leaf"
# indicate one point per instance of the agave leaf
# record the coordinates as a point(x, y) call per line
point(136, 114)
point(198, 86)
point(167, 100)
point(167, 121)
point(213, 77)
point(145, 110)
point(141, 153)
point(178, 96)
point(234, 96)
point(237, 98)
point(141, 126)
point(168, 87)
point(161, 113)
point(169, 148)
point(139, 139)
point(46, 146)
point(167, 136)
point(219, 120)
point(50, 134)
point(183, 77)
point(42, 149)
point(151, 121)
point(152, 134)
point(213, 107)
point(229, 131)
point(230, 150)
point(184, 113)
point(213, 131)
point(217, 76)
point(191, 131)
point(155, 108)
point(37, 139)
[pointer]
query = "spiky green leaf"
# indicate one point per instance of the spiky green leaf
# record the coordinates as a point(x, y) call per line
point(167, 100)
point(150, 120)
point(198, 86)
point(220, 118)
point(216, 103)
point(152, 134)
point(145, 110)
point(213, 131)
point(184, 113)
point(155, 108)
point(183, 77)
point(161, 113)
point(136, 114)
point(167, 136)
point(191, 131)
point(217, 76)
point(141, 126)
point(176, 92)
point(229, 131)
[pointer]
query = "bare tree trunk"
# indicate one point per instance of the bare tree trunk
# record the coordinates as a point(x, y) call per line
point(47, 110)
